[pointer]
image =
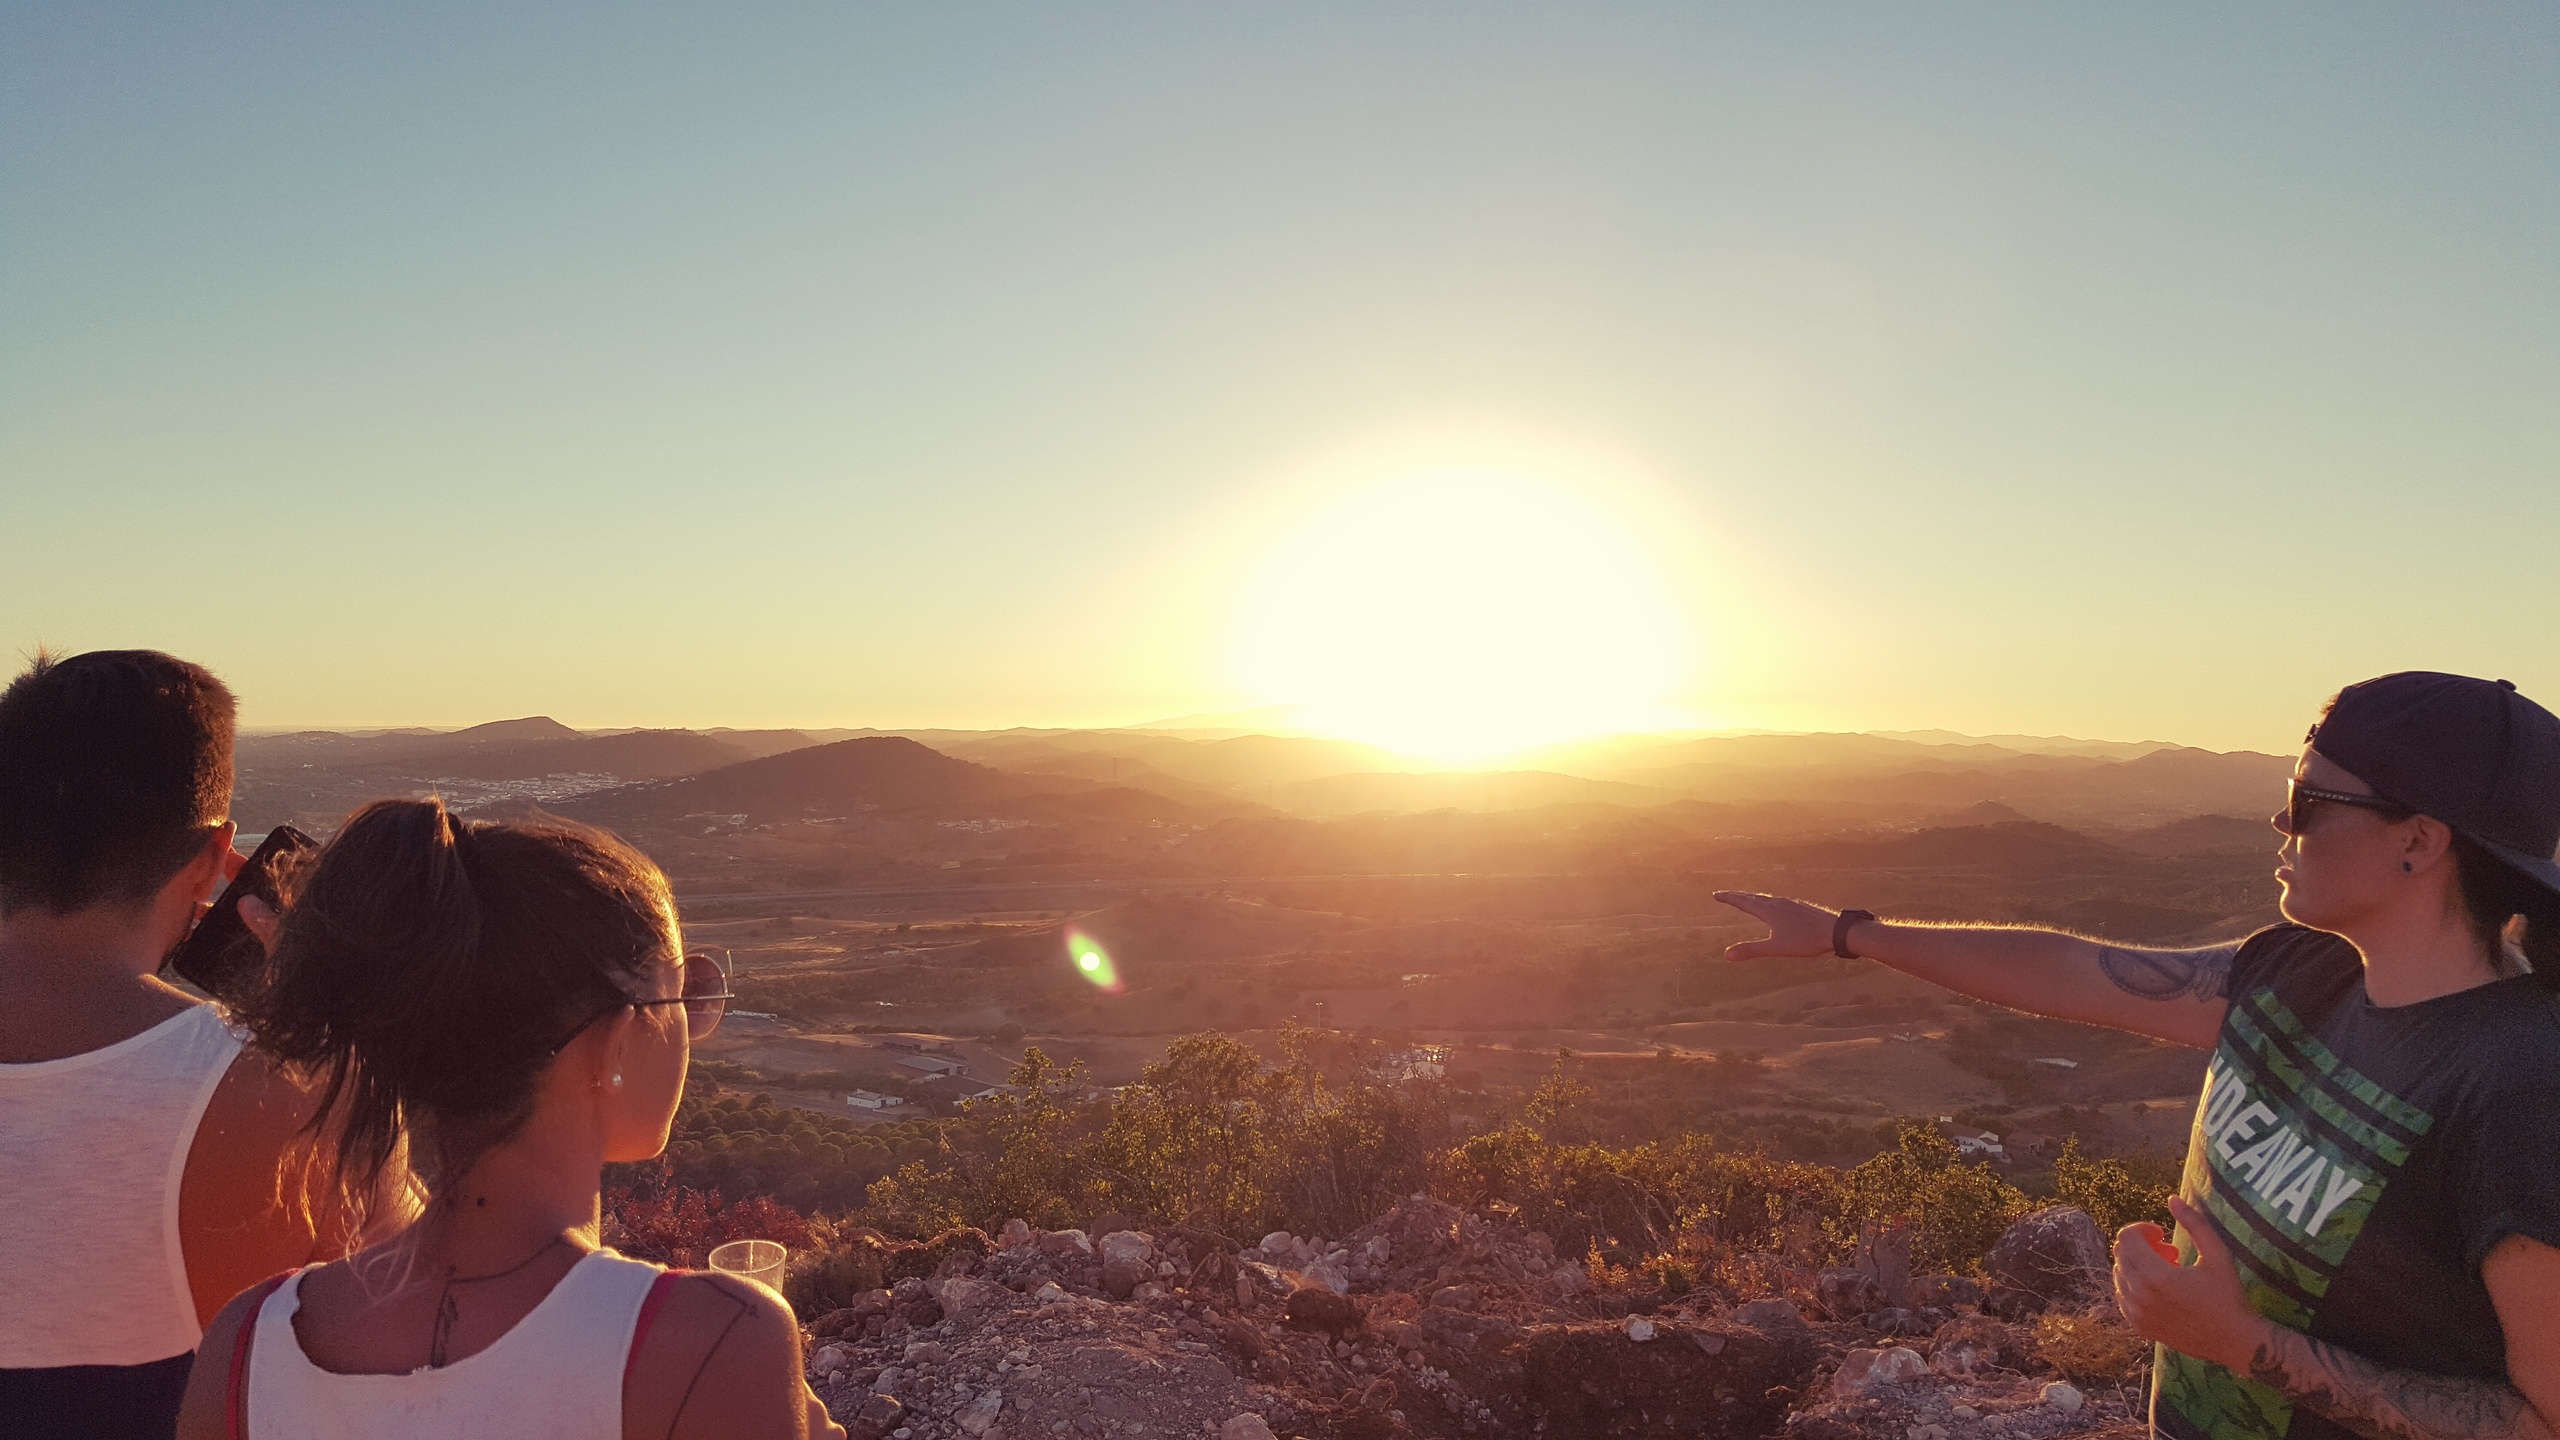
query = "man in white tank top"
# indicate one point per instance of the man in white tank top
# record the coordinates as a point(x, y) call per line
point(139, 1144)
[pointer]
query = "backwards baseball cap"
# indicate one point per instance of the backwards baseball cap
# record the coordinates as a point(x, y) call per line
point(2471, 753)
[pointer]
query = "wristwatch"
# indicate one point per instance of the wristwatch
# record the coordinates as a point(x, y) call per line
point(1840, 932)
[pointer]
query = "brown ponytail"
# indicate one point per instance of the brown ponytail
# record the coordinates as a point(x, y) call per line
point(2495, 893)
point(429, 969)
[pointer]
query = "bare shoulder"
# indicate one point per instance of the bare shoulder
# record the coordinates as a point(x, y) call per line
point(200, 1414)
point(236, 1223)
point(721, 1360)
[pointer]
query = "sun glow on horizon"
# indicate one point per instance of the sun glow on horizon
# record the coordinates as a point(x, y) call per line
point(1460, 614)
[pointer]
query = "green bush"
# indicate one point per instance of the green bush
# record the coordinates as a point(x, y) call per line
point(1956, 1211)
point(2109, 1190)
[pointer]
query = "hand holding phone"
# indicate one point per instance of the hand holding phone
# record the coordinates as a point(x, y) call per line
point(228, 948)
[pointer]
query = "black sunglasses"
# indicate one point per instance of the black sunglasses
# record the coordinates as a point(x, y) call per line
point(2302, 802)
point(703, 992)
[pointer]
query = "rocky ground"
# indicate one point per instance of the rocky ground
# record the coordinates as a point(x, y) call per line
point(1437, 1323)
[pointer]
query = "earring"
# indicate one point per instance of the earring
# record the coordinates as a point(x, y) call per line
point(2405, 868)
point(616, 1081)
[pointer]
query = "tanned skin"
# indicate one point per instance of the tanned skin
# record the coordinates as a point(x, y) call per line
point(77, 981)
point(722, 1361)
point(2388, 886)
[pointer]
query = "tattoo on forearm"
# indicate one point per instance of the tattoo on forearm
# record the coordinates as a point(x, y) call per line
point(2170, 974)
point(2382, 1404)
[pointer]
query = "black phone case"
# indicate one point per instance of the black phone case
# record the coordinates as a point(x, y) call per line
point(220, 955)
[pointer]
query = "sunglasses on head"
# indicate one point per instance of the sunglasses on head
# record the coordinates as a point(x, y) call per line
point(2302, 803)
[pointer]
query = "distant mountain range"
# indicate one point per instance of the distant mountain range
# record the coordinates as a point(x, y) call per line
point(1763, 784)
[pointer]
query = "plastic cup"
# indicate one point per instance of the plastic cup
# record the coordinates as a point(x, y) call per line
point(757, 1260)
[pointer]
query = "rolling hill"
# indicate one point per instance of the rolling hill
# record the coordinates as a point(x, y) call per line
point(880, 772)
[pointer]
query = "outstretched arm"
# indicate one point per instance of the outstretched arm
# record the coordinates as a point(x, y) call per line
point(2200, 1310)
point(2173, 995)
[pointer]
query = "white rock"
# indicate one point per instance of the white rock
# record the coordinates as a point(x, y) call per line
point(1016, 1232)
point(1965, 1412)
point(962, 1294)
point(830, 1358)
point(1050, 1293)
point(2063, 1396)
point(1065, 1242)
point(1265, 1278)
point(1639, 1328)
point(1863, 1370)
point(1130, 1245)
point(890, 1379)
point(1247, 1426)
point(979, 1415)
point(1277, 1242)
point(1329, 1275)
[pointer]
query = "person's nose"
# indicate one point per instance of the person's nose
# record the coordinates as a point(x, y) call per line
point(2281, 823)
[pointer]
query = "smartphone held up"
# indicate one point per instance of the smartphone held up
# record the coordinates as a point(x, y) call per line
point(220, 956)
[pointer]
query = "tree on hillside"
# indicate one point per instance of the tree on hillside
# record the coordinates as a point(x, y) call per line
point(1191, 1139)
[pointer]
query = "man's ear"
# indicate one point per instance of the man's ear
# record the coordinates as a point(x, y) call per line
point(202, 878)
point(2428, 841)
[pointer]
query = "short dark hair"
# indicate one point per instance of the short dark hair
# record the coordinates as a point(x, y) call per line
point(113, 766)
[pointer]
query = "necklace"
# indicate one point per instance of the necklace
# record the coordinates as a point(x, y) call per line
point(446, 1313)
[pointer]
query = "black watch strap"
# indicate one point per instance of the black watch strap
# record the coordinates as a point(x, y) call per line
point(1840, 932)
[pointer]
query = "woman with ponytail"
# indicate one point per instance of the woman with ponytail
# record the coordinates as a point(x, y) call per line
point(492, 1013)
point(2369, 1225)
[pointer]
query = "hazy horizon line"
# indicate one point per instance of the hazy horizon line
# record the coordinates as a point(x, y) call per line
point(1206, 722)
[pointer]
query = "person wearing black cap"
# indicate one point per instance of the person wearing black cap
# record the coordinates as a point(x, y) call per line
point(2368, 1231)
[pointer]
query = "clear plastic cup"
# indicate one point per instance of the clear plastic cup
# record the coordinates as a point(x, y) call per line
point(757, 1260)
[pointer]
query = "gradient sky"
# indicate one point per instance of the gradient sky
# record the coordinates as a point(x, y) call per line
point(2139, 372)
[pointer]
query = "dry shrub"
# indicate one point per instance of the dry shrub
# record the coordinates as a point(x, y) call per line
point(2091, 1349)
point(1760, 1274)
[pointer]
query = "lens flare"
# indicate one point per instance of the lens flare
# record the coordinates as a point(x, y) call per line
point(1092, 962)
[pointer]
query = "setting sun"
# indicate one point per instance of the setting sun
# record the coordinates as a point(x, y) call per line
point(1462, 614)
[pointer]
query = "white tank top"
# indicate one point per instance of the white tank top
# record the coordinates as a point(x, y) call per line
point(92, 1149)
point(555, 1375)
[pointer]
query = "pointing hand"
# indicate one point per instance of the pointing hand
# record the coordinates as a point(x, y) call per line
point(1795, 928)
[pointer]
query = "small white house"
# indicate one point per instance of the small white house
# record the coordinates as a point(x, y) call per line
point(866, 1100)
point(932, 1065)
point(1424, 1062)
point(1975, 1142)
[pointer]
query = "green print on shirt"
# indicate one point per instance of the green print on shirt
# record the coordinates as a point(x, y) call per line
point(2290, 1149)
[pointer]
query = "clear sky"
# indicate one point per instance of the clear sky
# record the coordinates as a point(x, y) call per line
point(2129, 371)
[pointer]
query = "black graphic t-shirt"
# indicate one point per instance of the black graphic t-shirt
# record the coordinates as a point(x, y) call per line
point(2359, 1161)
